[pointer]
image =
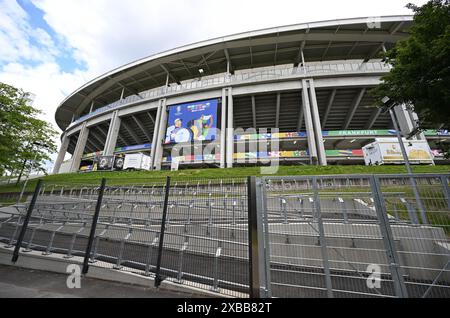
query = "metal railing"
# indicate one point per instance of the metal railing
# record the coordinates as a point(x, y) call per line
point(123, 227)
point(359, 236)
point(253, 75)
point(302, 236)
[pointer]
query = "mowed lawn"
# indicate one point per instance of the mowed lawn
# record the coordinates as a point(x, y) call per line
point(129, 177)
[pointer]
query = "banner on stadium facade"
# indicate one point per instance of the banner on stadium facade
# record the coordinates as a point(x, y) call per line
point(355, 153)
point(192, 122)
point(135, 147)
point(334, 133)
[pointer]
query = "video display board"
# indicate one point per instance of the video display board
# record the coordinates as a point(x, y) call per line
point(190, 122)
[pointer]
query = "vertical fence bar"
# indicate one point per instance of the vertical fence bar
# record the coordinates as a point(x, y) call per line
point(253, 250)
point(444, 181)
point(158, 279)
point(388, 239)
point(322, 239)
point(94, 226)
point(25, 221)
point(266, 232)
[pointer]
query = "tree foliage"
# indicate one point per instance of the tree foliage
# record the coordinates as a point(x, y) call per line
point(21, 132)
point(420, 77)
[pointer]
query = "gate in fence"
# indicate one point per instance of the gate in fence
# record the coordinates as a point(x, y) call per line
point(334, 236)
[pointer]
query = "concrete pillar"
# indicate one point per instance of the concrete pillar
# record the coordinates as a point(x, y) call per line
point(113, 134)
point(230, 130)
point(161, 135)
point(61, 154)
point(155, 135)
point(322, 156)
point(79, 149)
point(309, 124)
point(223, 129)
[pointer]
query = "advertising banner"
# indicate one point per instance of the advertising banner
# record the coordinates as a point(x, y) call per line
point(192, 122)
point(418, 151)
point(358, 133)
point(135, 147)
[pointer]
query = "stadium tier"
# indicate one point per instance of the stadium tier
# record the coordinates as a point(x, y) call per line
point(291, 94)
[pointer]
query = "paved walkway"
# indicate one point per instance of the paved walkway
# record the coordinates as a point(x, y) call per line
point(25, 283)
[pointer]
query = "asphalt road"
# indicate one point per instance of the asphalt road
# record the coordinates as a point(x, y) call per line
point(24, 283)
point(287, 281)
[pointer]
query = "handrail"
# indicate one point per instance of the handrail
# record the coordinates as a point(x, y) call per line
point(245, 76)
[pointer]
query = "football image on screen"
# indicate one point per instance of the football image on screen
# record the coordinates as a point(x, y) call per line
point(192, 122)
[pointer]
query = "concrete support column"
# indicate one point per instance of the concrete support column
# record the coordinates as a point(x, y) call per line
point(317, 125)
point(161, 135)
point(223, 129)
point(79, 149)
point(61, 154)
point(309, 124)
point(113, 134)
point(155, 135)
point(230, 130)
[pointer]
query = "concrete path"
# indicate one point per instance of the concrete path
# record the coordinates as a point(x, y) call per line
point(24, 283)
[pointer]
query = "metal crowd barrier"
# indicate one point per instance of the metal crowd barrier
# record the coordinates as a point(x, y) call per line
point(302, 236)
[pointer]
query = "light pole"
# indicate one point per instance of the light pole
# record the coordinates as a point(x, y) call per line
point(390, 105)
point(29, 171)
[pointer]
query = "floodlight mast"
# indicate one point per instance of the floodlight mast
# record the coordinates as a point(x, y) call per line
point(389, 105)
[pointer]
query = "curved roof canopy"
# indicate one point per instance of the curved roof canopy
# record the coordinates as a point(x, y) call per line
point(358, 38)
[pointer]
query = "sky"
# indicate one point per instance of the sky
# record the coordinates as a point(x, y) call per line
point(52, 47)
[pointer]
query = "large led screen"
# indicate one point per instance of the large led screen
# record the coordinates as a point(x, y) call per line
point(189, 122)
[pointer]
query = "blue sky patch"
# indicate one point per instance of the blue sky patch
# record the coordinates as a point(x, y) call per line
point(36, 20)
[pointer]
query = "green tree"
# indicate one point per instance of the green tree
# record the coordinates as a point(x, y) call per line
point(420, 77)
point(25, 140)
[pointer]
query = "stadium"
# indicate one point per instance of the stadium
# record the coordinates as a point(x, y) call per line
point(297, 94)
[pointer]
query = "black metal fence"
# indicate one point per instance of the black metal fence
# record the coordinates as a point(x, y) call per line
point(357, 236)
point(192, 232)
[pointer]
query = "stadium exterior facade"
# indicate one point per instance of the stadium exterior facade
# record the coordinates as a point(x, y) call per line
point(309, 81)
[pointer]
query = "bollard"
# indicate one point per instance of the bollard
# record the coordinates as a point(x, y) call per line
point(411, 211)
point(343, 209)
point(72, 242)
point(180, 261)
point(149, 255)
point(215, 287)
point(50, 243)
point(122, 247)
point(300, 202)
point(30, 242)
point(283, 208)
point(11, 241)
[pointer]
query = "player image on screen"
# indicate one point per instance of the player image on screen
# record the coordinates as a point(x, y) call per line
point(189, 122)
point(177, 134)
point(201, 127)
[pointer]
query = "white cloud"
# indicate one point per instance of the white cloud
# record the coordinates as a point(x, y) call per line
point(18, 40)
point(104, 34)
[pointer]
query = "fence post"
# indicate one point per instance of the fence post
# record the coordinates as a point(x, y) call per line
point(322, 239)
point(444, 181)
point(93, 226)
point(265, 255)
point(258, 284)
point(25, 221)
point(388, 239)
point(158, 278)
